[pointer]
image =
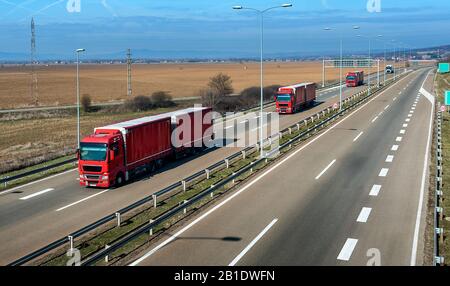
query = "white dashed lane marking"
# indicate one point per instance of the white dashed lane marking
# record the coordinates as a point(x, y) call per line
point(383, 172)
point(375, 190)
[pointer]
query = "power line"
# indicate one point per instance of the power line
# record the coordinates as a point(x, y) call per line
point(129, 62)
point(34, 78)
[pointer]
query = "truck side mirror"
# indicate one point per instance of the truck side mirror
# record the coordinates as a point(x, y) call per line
point(77, 153)
point(111, 155)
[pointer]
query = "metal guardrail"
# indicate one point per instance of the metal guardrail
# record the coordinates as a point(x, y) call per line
point(438, 211)
point(183, 184)
point(148, 228)
point(7, 179)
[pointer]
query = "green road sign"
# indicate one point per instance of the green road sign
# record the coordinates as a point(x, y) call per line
point(444, 67)
point(447, 97)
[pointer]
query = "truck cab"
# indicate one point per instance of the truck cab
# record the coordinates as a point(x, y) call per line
point(389, 69)
point(101, 160)
point(285, 101)
point(354, 79)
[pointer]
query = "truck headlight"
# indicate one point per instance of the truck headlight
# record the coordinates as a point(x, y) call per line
point(105, 178)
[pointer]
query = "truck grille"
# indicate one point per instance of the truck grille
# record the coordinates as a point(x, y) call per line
point(96, 169)
point(93, 177)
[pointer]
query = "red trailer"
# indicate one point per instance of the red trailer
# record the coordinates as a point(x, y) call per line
point(116, 152)
point(355, 79)
point(186, 132)
point(290, 99)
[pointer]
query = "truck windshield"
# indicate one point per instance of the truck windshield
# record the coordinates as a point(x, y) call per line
point(93, 151)
point(283, 98)
point(350, 77)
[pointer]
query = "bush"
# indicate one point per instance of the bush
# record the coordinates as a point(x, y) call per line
point(230, 104)
point(209, 96)
point(252, 96)
point(162, 99)
point(139, 103)
point(222, 84)
point(270, 91)
point(86, 102)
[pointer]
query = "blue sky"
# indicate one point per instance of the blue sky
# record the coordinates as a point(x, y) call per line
point(211, 28)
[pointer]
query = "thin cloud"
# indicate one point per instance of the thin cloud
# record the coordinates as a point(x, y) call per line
point(109, 8)
point(20, 6)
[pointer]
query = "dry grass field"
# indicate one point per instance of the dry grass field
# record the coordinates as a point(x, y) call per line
point(56, 83)
point(26, 142)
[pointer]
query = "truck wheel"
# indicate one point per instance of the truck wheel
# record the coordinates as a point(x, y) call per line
point(119, 180)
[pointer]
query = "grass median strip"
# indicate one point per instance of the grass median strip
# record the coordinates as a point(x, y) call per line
point(444, 245)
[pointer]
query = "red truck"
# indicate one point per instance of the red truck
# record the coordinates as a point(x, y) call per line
point(290, 99)
point(355, 79)
point(114, 153)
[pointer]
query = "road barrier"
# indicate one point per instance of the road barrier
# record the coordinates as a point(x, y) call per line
point(352, 102)
point(438, 211)
point(8, 179)
point(357, 100)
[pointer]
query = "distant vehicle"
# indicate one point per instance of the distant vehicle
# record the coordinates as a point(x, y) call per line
point(355, 79)
point(290, 99)
point(114, 153)
point(389, 69)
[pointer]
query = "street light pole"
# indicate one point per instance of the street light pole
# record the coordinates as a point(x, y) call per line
point(341, 59)
point(261, 118)
point(395, 59)
point(340, 76)
point(370, 63)
point(261, 13)
point(78, 51)
point(384, 69)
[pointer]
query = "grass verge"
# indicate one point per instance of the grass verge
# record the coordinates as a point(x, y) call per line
point(442, 84)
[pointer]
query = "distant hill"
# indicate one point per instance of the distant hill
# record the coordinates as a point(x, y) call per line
point(162, 55)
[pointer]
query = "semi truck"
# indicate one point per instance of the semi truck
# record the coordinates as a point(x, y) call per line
point(115, 153)
point(290, 99)
point(355, 79)
point(389, 69)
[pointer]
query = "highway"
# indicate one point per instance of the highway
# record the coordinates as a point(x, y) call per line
point(36, 214)
point(353, 195)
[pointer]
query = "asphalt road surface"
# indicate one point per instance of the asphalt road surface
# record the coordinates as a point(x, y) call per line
point(353, 195)
point(34, 215)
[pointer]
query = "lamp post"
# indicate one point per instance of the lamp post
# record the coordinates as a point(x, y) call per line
point(78, 51)
point(378, 62)
point(370, 60)
point(340, 63)
point(384, 69)
point(261, 14)
point(395, 59)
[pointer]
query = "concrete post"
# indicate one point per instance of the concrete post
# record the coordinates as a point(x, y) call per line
point(151, 230)
point(71, 242)
point(119, 222)
point(155, 202)
point(107, 256)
